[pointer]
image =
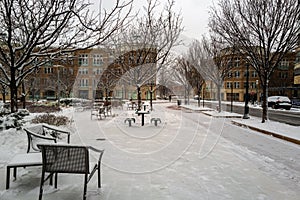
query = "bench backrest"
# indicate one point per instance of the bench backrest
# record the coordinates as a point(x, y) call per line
point(65, 158)
point(38, 129)
point(43, 134)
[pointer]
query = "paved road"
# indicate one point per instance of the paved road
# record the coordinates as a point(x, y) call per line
point(281, 155)
point(289, 117)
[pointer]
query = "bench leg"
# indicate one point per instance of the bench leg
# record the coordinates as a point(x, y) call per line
point(42, 185)
point(143, 120)
point(85, 186)
point(55, 180)
point(7, 177)
point(99, 175)
point(15, 173)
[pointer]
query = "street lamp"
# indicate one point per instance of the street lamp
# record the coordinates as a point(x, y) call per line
point(246, 109)
point(257, 96)
point(231, 96)
point(58, 83)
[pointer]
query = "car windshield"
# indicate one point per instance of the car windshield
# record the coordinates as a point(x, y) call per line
point(279, 98)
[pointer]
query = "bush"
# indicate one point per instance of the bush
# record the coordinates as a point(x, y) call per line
point(13, 120)
point(43, 108)
point(51, 119)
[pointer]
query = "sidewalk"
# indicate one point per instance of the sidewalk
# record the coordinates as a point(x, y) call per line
point(178, 159)
point(275, 129)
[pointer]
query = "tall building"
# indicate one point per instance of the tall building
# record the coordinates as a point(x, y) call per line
point(281, 81)
point(297, 71)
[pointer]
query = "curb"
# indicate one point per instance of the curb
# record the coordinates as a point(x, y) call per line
point(196, 110)
point(286, 138)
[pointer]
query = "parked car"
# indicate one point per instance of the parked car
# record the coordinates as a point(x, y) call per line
point(296, 102)
point(196, 97)
point(279, 102)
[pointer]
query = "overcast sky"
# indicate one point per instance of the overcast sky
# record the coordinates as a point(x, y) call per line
point(194, 13)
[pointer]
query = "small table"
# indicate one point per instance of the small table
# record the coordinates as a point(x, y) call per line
point(22, 160)
point(143, 115)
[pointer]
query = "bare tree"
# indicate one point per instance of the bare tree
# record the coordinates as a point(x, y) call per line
point(143, 48)
point(264, 31)
point(164, 80)
point(35, 31)
point(212, 60)
point(189, 76)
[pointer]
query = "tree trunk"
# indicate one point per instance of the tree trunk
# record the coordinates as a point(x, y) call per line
point(139, 97)
point(23, 96)
point(264, 103)
point(199, 93)
point(219, 98)
point(3, 95)
point(13, 98)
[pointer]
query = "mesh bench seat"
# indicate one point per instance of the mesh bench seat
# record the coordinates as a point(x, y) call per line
point(22, 160)
point(42, 133)
point(68, 159)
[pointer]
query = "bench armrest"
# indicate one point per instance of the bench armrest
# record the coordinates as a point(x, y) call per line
point(32, 135)
point(39, 135)
point(59, 131)
point(101, 151)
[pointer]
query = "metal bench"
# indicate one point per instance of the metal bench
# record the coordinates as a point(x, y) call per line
point(68, 159)
point(129, 120)
point(98, 110)
point(108, 110)
point(22, 160)
point(42, 133)
point(155, 120)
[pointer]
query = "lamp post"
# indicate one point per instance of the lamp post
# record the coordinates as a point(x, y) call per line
point(246, 109)
point(257, 96)
point(231, 96)
point(58, 83)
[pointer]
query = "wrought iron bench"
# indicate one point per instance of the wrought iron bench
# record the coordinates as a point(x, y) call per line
point(68, 159)
point(98, 110)
point(22, 160)
point(43, 133)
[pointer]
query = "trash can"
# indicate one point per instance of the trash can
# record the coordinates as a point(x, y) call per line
point(178, 102)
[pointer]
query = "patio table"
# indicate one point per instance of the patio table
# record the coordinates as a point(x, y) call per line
point(143, 115)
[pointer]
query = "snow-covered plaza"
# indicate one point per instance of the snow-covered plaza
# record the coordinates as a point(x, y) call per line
point(188, 155)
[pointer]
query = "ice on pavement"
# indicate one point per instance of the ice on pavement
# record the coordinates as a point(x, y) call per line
point(184, 157)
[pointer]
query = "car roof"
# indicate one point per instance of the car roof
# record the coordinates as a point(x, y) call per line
point(279, 97)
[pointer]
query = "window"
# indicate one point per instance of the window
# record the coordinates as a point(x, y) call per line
point(84, 59)
point(298, 56)
point(83, 71)
point(237, 74)
point(253, 74)
point(48, 70)
point(284, 64)
point(253, 85)
point(236, 84)
point(229, 75)
point(97, 60)
point(283, 75)
point(228, 85)
point(84, 83)
point(237, 62)
point(71, 71)
point(131, 60)
point(95, 83)
point(97, 71)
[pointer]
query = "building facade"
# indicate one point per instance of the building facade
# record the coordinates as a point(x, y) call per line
point(82, 75)
point(281, 82)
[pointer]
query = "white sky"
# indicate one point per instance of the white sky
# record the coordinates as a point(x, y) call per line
point(194, 12)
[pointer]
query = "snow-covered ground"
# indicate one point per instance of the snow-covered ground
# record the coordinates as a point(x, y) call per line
point(184, 157)
point(277, 128)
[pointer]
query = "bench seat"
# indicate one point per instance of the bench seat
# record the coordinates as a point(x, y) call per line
point(22, 160)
